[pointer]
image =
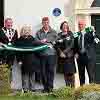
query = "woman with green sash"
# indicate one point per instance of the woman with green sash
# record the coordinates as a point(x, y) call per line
point(28, 59)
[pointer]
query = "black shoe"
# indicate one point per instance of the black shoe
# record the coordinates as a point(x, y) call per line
point(47, 90)
point(25, 91)
point(50, 90)
point(33, 90)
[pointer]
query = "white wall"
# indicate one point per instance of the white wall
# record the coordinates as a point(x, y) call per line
point(83, 4)
point(31, 11)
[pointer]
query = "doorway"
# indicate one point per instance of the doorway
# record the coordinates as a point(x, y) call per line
point(95, 21)
point(1, 13)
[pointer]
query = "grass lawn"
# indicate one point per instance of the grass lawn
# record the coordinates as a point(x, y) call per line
point(60, 94)
point(86, 92)
point(27, 98)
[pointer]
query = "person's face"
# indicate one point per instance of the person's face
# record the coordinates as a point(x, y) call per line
point(45, 24)
point(8, 24)
point(65, 27)
point(81, 25)
point(27, 31)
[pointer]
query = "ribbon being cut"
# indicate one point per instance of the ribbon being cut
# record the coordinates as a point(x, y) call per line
point(88, 30)
point(26, 49)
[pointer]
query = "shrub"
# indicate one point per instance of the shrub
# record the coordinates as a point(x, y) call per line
point(65, 93)
point(4, 79)
point(88, 92)
point(90, 96)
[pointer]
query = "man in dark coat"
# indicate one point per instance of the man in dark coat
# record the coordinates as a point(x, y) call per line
point(8, 36)
point(85, 45)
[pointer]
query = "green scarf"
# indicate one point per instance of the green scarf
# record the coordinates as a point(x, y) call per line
point(87, 30)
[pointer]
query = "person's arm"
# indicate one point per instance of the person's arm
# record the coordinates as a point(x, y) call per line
point(92, 31)
point(36, 42)
point(96, 39)
point(2, 38)
point(38, 38)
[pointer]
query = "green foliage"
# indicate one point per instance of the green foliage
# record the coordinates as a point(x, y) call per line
point(27, 98)
point(35, 96)
point(65, 93)
point(86, 92)
point(4, 79)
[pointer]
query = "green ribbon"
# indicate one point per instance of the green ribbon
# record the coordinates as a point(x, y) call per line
point(87, 30)
point(13, 48)
point(76, 34)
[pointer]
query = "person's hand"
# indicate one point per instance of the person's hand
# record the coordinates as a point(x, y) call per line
point(96, 40)
point(44, 40)
point(62, 55)
point(20, 63)
point(76, 56)
point(50, 46)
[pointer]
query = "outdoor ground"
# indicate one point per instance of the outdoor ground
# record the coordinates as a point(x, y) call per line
point(58, 82)
point(86, 92)
point(27, 98)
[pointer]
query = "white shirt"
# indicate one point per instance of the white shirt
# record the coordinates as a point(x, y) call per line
point(83, 48)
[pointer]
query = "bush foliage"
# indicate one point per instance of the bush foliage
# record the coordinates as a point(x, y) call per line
point(4, 79)
point(86, 92)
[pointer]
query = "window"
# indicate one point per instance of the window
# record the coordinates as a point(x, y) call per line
point(96, 3)
point(1, 13)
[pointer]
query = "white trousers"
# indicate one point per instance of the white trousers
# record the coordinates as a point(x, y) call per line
point(16, 77)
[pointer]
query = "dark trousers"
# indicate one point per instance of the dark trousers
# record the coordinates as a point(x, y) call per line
point(38, 77)
point(69, 79)
point(90, 66)
point(48, 70)
point(28, 81)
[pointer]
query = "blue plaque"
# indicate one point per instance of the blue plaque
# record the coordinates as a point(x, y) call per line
point(56, 12)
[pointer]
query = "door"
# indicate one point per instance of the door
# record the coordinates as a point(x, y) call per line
point(1, 13)
point(95, 21)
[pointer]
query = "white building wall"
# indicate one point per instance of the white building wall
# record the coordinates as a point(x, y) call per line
point(31, 12)
point(83, 4)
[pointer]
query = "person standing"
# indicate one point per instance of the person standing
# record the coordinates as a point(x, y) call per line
point(8, 36)
point(48, 57)
point(29, 60)
point(85, 45)
point(65, 47)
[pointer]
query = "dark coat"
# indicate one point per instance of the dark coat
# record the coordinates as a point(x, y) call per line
point(51, 36)
point(4, 39)
point(67, 45)
point(7, 56)
point(89, 44)
point(30, 60)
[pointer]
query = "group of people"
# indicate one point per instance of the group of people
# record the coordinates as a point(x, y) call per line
point(64, 45)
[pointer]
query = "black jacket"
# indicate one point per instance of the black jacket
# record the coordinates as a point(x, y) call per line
point(67, 44)
point(7, 56)
point(89, 44)
point(30, 60)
